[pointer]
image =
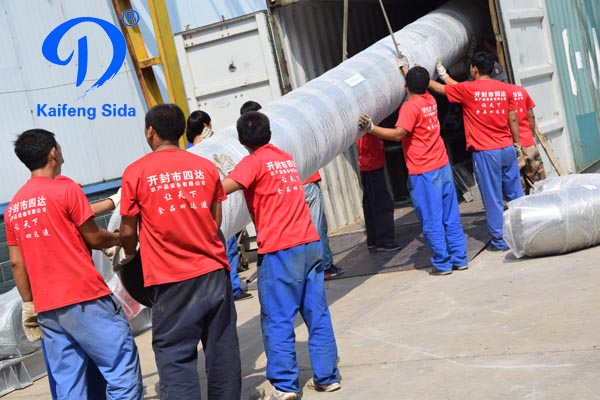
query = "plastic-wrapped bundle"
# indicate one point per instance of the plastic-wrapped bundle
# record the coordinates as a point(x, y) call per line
point(318, 121)
point(553, 222)
point(565, 182)
point(13, 342)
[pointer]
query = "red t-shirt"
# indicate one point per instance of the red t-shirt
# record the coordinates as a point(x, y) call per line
point(423, 146)
point(524, 103)
point(172, 191)
point(316, 177)
point(486, 103)
point(371, 153)
point(275, 197)
point(42, 220)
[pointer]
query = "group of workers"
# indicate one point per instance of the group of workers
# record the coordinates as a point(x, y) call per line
point(171, 211)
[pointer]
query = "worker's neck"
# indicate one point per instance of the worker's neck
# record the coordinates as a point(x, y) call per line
point(50, 170)
point(165, 145)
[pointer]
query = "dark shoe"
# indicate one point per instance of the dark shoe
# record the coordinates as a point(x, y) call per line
point(332, 272)
point(243, 296)
point(371, 247)
point(460, 267)
point(437, 272)
point(389, 247)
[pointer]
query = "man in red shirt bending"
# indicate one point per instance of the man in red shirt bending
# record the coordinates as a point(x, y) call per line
point(176, 197)
point(290, 272)
point(491, 129)
point(50, 228)
point(430, 177)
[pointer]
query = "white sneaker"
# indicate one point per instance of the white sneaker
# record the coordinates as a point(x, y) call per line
point(332, 387)
point(278, 395)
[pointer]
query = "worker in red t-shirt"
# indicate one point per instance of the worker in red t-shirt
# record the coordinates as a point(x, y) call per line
point(290, 272)
point(491, 130)
point(532, 168)
point(176, 196)
point(50, 228)
point(430, 178)
point(378, 208)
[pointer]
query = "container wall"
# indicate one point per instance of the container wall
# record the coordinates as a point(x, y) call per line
point(528, 41)
point(225, 64)
point(576, 36)
point(96, 147)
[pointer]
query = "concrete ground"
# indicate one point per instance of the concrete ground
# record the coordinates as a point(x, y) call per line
point(503, 329)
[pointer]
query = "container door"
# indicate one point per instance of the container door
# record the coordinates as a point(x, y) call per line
point(575, 33)
point(530, 55)
point(228, 63)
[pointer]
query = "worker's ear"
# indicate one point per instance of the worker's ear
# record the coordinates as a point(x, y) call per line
point(149, 132)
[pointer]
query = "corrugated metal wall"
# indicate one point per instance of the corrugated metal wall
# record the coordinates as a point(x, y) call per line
point(575, 28)
point(311, 35)
point(95, 149)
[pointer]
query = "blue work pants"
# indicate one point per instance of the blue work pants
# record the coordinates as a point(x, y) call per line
point(434, 199)
point(314, 199)
point(98, 332)
point(291, 281)
point(233, 258)
point(498, 178)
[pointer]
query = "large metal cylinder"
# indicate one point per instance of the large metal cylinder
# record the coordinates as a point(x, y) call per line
point(318, 121)
point(564, 216)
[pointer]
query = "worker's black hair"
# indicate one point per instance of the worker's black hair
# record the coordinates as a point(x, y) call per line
point(249, 106)
point(167, 120)
point(33, 147)
point(254, 129)
point(417, 80)
point(484, 62)
point(195, 124)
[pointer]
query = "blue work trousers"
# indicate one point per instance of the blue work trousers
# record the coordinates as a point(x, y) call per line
point(291, 281)
point(498, 179)
point(96, 384)
point(434, 198)
point(314, 199)
point(96, 332)
point(185, 313)
point(233, 258)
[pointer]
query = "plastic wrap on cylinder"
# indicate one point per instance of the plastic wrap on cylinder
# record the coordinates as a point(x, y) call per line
point(565, 182)
point(318, 121)
point(553, 222)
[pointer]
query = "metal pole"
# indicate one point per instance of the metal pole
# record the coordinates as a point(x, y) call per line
point(345, 33)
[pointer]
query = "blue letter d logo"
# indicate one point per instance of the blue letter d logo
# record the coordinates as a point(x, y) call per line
point(50, 49)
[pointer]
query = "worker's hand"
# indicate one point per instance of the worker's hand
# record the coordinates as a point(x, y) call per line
point(365, 123)
point(224, 163)
point(121, 258)
point(402, 61)
point(440, 69)
point(206, 133)
point(30, 324)
point(520, 159)
point(116, 198)
point(111, 252)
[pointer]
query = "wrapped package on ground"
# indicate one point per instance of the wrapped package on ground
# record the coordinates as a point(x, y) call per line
point(553, 222)
point(565, 182)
